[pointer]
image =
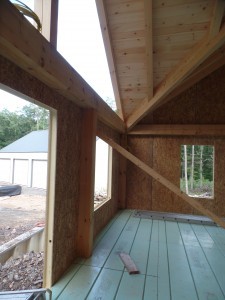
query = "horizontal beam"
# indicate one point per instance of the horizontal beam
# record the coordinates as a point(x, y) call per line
point(165, 182)
point(198, 55)
point(181, 129)
point(211, 64)
point(21, 43)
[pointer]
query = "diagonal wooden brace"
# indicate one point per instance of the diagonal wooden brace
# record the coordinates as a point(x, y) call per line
point(172, 187)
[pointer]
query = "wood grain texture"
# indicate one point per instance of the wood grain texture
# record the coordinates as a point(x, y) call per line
point(87, 174)
point(167, 162)
point(203, 103)
point(129, 263)
point(68, 149)
point(38, 57)
point(139, 186)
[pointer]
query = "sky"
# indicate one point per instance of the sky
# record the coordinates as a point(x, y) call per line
point(80, 42)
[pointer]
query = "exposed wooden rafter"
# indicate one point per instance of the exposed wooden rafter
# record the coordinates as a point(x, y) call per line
point(176, 77)
point(181, 129)
point(217, 17)
point(39, 58)
point(172, 187)
point(211, 64)
point(110, 56)
point(149, 46)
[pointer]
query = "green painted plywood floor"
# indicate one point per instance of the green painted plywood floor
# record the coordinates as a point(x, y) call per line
point(176, 261)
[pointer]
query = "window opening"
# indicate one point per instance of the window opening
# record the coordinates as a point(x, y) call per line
point(197, 170)
point(103, 168)
point(23, 163)
point(80, 42)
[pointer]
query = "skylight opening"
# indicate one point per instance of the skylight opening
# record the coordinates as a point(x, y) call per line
point(80, 42)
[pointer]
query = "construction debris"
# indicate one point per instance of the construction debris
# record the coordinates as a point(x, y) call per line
point(129, 263)
point(22, 273)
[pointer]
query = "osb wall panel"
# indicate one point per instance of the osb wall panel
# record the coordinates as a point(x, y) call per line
point(67, 164)
point(203, 103)
point(144, 193)
point(139, 186)
point(104, 213)
point(167, 163)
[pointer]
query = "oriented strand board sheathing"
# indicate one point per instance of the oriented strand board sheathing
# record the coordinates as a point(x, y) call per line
point(139, 186)
point(203, 103)
point(167, 163)
point(67, 163)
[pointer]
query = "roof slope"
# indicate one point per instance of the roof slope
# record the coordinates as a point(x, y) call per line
point(35, 141)
point(156, 49)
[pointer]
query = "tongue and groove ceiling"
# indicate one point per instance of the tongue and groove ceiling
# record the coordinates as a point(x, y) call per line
point(157, 49)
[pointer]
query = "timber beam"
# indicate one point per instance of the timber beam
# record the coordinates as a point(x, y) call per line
point(189, 64)
point(181, 129)
point(87, 175)
point(165, 182)
point(21, 43)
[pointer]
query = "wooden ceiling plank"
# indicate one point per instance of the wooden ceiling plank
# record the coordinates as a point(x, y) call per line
point(110, 56)
point(149, 46)
point(21, 43)
point(217, 17)
point(181, 129)
point(165, 182)
point(203, 50)
point(214, 62)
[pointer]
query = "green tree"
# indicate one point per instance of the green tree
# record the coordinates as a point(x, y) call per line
point(14, 125)
point(38, 116)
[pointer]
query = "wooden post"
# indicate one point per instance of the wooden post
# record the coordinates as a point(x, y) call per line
point(172, 187)
point(48, 265)
point(122, 203)
point(87, 175)
point(47, 11)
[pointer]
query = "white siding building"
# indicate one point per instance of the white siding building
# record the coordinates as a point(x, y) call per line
point(25, 160)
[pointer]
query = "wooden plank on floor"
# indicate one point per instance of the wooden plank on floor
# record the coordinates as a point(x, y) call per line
point(140, 248)
point(123, 244)
point(151, 290)
point(105, 245)
point(131, 287)
point(106, 285)
point(80, 285)
point(129, 264)
point(178, 265)
point(58, 288)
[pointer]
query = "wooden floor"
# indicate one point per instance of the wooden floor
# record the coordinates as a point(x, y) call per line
point(176, 261)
